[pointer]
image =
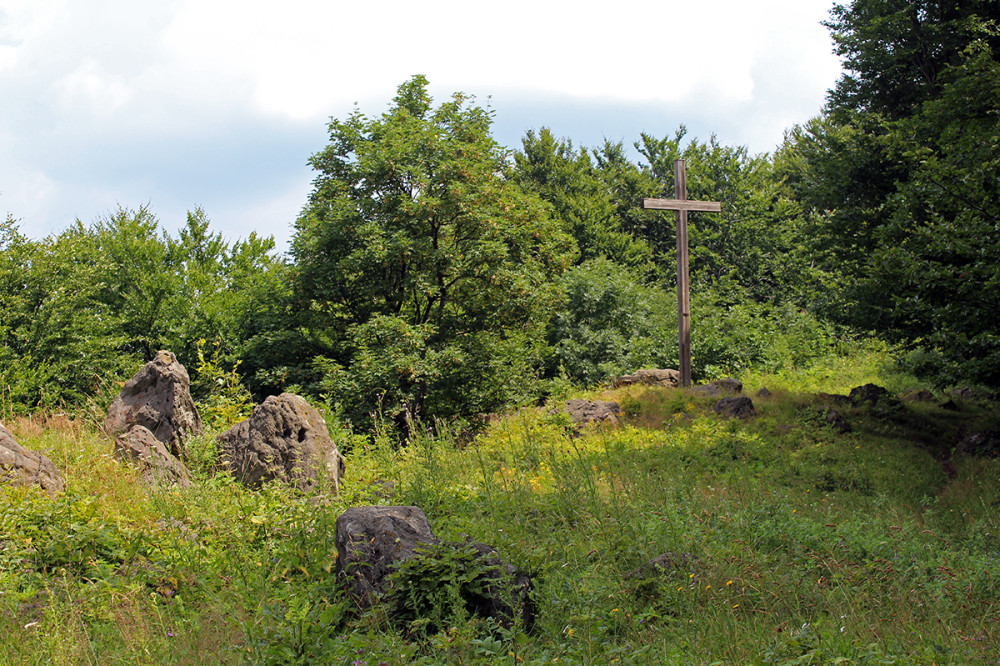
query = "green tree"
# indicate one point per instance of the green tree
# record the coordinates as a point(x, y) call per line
point(90, 304)
point(895, 51)
point(897, 180)
point(57, 339)
point(566, 179)
point(612, 323)
point(750, 250)
point(427, 272)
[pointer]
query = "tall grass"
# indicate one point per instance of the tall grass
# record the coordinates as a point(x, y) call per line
point(786, 541)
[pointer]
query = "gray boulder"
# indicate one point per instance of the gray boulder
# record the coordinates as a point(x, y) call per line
point(372, 540)
point(651, 377)
point(833, 418)
point(284, 438)
point(503, 592)
point(23, 466)
point(868, 394)
point(917, 395)
point(982, 444)
point(593, 411)
point(664, 564)
point(720, 387)
point(158, 466)
point(159, 399)
point(833, 398)
point(735, 406)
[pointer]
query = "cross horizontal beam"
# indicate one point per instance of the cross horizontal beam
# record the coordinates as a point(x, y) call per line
point(682, 204)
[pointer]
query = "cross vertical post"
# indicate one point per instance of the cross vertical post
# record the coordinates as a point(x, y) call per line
point(682, 205)
point(683, 277)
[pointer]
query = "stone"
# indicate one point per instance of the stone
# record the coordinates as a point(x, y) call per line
point(663, 565)
point(868, 393)
point(763, 393)
point(834, 418)
point(835, 398)
point(720, 387)
point(372, 540)
point(284, 438)
point(158, 398)
point(736, 406)
point(878, 398)
point(505, 592)
point(158, 466)
point(593, 411)
point(651, 377)
point(917, 395)
point(983, 444)
point(24, 466)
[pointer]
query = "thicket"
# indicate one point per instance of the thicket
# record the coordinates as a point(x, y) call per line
point(436, 274)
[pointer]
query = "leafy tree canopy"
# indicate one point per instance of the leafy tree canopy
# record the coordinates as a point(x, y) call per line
point(899, 181)
point(427, 271)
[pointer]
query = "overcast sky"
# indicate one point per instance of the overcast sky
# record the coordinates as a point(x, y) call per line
point(218, 104)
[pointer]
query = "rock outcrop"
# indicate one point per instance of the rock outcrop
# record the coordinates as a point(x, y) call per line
point(159, 399)
point(651, 377)
point(917, 395)
point(735, 407)
point(867, 394)
point(719, 387)
point(592, 411)
point(284, 438)
point(982, 444)
point(158, 466)
point(372, 541)
point(833, 418)
point(23, 466)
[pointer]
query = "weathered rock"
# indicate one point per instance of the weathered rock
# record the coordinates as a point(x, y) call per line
point(593, 411)
point(664, 565)
point(651, 377)
point(284, 438)
point(876, 397)
point(973, 394)
point(735, 406)
point(158, 466)
point(984, 444)
point(372, 540)
point(917, 395)
point(834, 418)
point(159, 399)
point(24, 466)
point(868, 393)
point(505, 592)
point(834, 398)
point(763, 393)
point(720, 387)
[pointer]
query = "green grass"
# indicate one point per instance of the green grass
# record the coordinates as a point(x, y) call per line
point(795, 543)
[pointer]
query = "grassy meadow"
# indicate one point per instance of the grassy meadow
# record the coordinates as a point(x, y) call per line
point(788, 541)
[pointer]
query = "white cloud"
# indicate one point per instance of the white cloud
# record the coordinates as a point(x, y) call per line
point(88, 85)
point(306, 59)
point(118, 101)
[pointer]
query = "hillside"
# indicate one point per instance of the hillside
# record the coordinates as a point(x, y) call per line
point(780, 539)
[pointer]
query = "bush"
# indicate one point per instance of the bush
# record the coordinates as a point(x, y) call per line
point(612, 323)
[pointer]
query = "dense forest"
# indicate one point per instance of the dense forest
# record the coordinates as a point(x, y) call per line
point(435, 274)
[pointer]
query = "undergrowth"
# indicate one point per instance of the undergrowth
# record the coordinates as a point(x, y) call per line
point(780, 540)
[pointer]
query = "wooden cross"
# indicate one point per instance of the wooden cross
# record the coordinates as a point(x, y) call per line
point(682, 205)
